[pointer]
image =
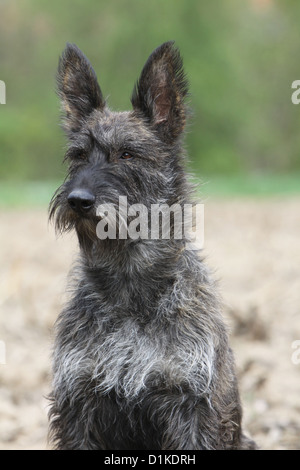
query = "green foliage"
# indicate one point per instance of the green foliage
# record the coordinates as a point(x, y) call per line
point(241, 59)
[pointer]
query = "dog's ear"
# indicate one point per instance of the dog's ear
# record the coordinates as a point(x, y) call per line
point(78, 88)
point(160, 91)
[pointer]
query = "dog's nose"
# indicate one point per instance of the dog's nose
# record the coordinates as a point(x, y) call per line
point(81, 200)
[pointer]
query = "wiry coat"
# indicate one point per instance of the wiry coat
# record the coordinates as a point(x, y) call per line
point(141, 357)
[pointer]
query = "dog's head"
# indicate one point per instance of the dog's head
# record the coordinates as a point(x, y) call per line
point(136, 154)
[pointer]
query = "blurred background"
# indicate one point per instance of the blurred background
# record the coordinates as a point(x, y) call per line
point(240, 57)
point(244, 146)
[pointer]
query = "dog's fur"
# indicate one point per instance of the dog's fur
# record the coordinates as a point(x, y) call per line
point(141, 358)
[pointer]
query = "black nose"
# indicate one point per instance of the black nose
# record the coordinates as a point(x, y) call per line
point(81, 200)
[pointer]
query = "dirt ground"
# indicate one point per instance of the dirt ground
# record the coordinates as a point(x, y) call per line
point(253, 247)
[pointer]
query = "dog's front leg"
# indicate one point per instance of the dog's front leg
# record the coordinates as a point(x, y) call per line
point(185, 421)
point(190, 423)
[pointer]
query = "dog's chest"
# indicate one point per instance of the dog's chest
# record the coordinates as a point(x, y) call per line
point(126, 358)
point(122, 357)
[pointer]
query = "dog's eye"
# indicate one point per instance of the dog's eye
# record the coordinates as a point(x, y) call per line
point(126, 156)
point(81, 156)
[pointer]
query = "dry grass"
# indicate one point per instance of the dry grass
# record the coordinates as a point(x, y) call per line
point(254, 248)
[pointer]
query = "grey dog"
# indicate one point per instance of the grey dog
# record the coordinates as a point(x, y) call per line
point(141, 356)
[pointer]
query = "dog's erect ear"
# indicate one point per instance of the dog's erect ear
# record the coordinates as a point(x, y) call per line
point(78, 88)
point(160, 91)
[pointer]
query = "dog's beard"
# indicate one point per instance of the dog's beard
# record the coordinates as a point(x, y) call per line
point(85, 225)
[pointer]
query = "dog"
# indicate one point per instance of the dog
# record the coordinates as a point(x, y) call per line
point(141, 356)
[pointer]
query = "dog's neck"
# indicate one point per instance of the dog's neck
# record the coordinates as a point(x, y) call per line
point(129, 267)
point(123, 257)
